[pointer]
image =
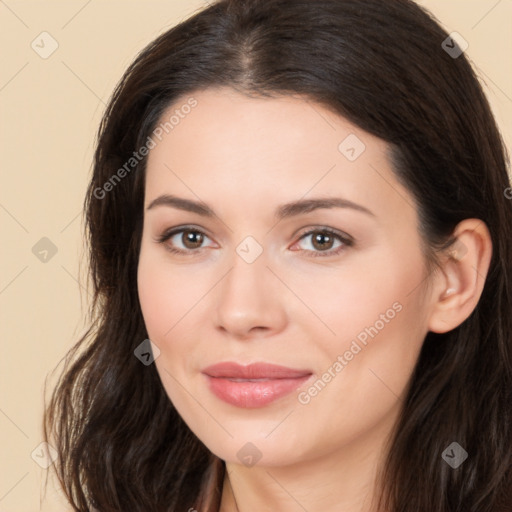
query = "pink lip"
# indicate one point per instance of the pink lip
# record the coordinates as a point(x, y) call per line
point(234, 383)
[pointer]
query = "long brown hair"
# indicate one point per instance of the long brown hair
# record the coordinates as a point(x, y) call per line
point(382, 65)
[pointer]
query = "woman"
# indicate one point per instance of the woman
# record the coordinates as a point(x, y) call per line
point(301, 255)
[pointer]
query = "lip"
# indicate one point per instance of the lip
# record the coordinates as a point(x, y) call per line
point(254, 385)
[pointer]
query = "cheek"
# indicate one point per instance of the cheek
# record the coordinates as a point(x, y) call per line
point(155, 301)
point(380, 327)
point(166, 294)
point(165, 299)
point(363, 293)
point(375, 310)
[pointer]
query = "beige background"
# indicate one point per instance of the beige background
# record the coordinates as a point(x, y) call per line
point(50, 110)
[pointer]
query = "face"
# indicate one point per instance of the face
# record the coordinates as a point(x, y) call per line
point(333, 290)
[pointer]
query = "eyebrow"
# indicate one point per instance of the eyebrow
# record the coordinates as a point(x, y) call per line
point(284, 211)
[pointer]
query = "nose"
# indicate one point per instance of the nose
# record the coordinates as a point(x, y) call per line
point(249, 300)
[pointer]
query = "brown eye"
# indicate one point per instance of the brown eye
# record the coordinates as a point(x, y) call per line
point(192, 239)
point(322, 240)
point(183, 241)
point(325, 242)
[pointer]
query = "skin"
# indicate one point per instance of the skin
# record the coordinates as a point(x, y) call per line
point(245, 157)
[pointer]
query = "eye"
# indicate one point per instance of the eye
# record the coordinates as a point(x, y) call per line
point(322, 241)
point(190, 238)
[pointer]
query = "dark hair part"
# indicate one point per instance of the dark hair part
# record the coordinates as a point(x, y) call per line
point(380, 64)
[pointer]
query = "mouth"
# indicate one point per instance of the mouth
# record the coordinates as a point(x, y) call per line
point(255, 385)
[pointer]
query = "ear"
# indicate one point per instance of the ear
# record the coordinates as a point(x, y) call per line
point(459, 285)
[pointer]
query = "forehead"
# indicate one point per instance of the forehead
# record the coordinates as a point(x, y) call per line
point(226, 125)
point(232, 147)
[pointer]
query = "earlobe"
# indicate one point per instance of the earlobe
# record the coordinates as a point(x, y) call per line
point(464, 268)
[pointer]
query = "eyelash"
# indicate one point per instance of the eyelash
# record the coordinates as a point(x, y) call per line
point(346, 240)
